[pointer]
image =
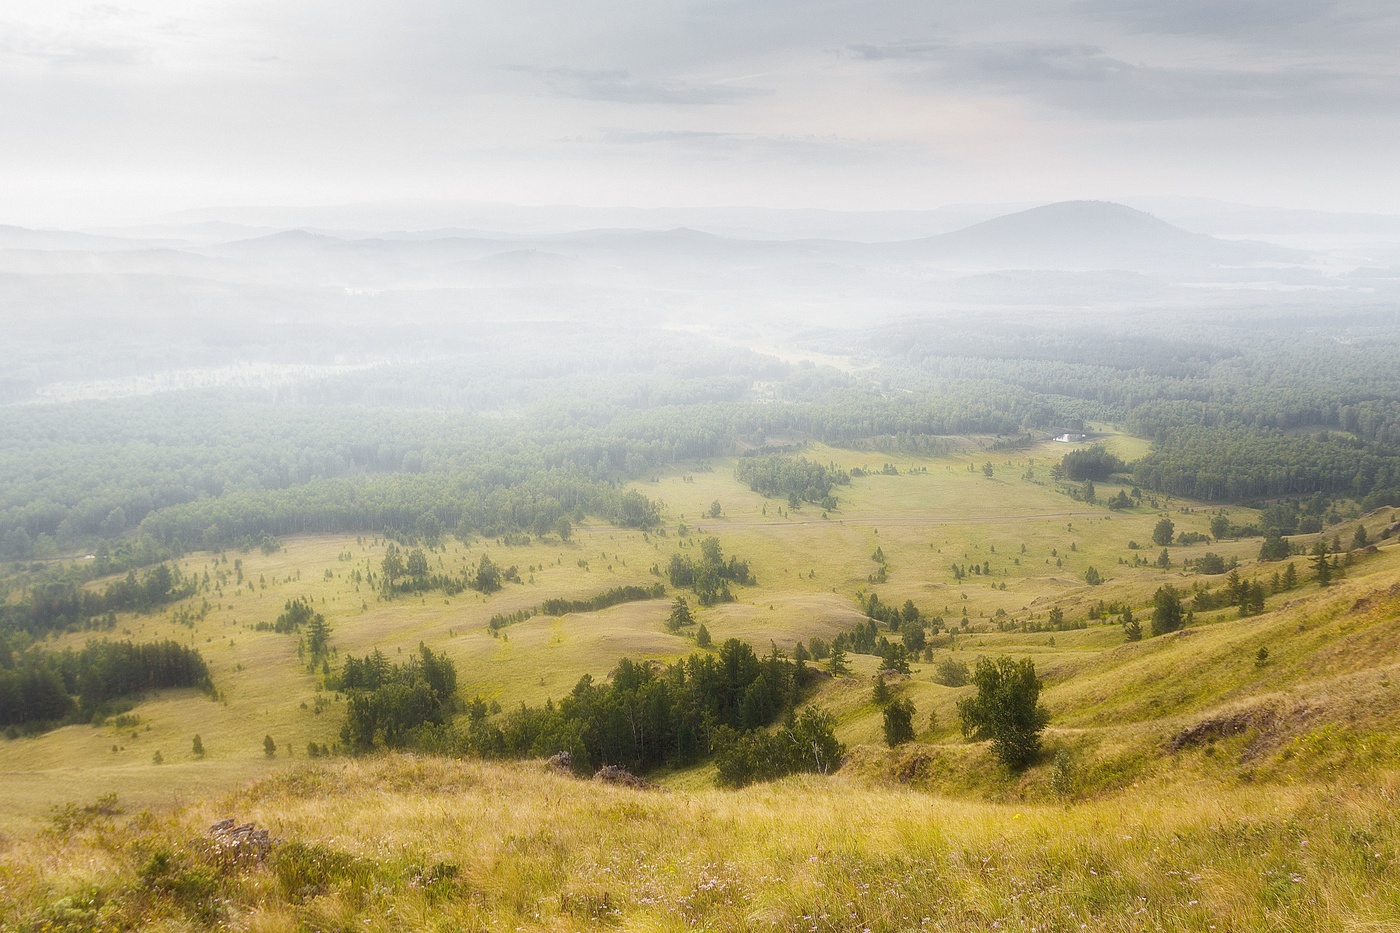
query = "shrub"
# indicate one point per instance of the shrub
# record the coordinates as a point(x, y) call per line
point(806, 742)
point(951, 672)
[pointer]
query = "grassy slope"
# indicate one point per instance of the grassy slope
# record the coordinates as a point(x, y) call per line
point(404, 844)
point(1322, 706)
point(809, 569)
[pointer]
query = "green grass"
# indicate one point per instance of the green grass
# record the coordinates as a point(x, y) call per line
point(933, 513)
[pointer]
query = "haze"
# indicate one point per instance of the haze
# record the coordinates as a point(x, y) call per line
point(114, 113)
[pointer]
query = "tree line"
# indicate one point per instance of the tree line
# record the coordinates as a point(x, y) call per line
point(644, 717)
point(47, 687)
point(65, 604)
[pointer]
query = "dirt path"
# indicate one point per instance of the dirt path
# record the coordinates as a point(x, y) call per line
point(896, 521)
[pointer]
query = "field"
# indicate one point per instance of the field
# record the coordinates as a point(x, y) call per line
point(1238, 774)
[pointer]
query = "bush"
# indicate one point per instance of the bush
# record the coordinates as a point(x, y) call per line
point(806, 742)
point(1210, 563)
point(952, 673)
point(1006, 710)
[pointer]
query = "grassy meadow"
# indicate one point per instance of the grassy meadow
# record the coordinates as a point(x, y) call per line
point(1189, 781)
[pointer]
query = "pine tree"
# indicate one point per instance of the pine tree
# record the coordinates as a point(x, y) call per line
point(198, 747)
point(1322, 568)
point(318, 634)
point(1166, 610)
point(680, 615)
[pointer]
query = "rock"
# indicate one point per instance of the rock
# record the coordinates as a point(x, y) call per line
point(235, 843)
point(620, 776)
point(562, 762)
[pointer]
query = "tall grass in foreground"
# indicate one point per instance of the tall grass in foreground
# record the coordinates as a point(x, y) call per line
point(401, 843)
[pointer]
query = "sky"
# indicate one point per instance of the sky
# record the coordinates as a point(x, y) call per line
point(125, 110)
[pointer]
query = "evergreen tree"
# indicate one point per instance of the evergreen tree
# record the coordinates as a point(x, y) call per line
point(1274, 548)
point(680, 615)
point(1166, 610)
point(318, 633)
point(1322, 568)
point(393, 564)
point(899, 721)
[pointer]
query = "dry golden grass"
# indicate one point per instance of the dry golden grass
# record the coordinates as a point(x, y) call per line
point(400, 843)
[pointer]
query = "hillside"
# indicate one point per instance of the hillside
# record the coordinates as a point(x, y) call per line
point(1142, 735)
point(1283, 823)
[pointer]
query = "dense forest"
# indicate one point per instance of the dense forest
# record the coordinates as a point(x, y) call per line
point(519, 435)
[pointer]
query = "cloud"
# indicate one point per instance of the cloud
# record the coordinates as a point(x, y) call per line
point(1228, 18)
point(63, 48)
point(618, 86)
point(1088, 79)
point(827, 149)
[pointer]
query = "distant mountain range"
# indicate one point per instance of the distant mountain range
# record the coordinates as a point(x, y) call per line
point(1072, 235)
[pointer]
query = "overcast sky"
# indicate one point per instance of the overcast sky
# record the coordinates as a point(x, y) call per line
point(131, 108)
